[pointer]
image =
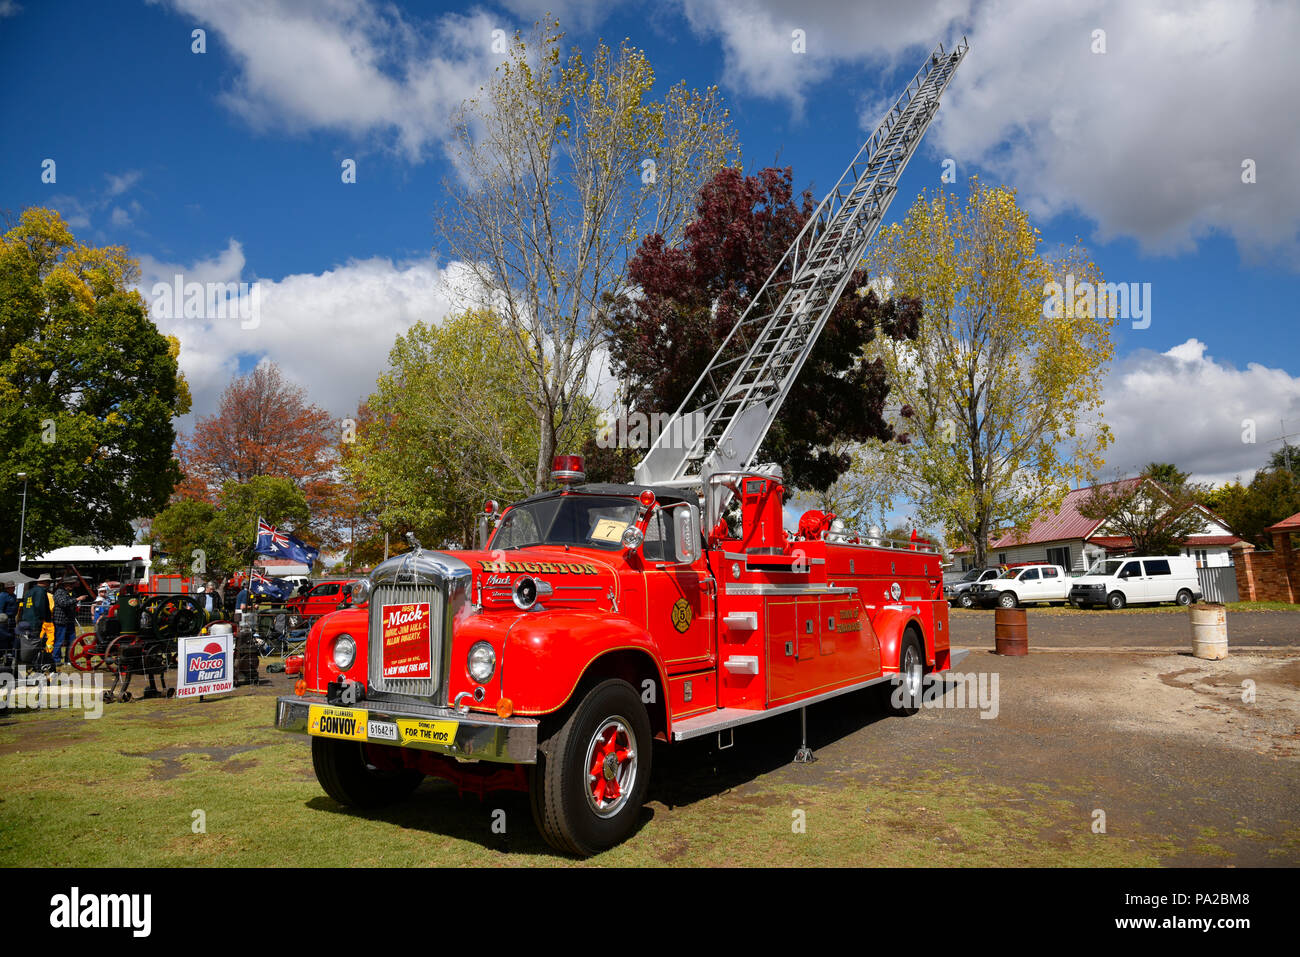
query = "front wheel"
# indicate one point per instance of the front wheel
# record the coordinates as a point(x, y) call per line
point(1115, 600)
point(345, 774)
point(965, 600)
point(592, 775)
point(1007, 600)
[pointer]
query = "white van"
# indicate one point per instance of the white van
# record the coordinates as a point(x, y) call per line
point(1116, 582)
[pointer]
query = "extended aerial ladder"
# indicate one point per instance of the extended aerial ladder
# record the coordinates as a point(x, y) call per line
point(721, 424)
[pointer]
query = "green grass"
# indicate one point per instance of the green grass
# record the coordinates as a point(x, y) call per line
point(121, 791)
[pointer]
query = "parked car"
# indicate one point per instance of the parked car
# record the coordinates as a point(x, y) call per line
point(958, 591)
point(1025, 585)
point(1116, 582)
point(321, 599)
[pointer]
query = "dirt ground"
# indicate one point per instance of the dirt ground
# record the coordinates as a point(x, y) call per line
point(1159, 627)
point(1094, 758)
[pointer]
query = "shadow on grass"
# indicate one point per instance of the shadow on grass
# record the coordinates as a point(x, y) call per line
point(436, 809)
point(682, 774)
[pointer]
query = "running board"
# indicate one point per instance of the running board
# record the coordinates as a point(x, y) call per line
point(724, 718)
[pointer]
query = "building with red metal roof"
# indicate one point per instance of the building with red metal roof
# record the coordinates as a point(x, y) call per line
point(1069, 539)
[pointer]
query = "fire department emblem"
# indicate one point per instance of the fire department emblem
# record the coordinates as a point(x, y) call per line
point(682, 614)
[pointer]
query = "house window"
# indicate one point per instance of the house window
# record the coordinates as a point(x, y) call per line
point(1002, 558)
point(1059, 556)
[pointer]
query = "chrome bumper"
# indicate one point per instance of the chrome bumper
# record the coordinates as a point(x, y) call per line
point(467, 735)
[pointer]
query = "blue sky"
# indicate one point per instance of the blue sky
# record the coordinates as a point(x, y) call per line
point(227, 164)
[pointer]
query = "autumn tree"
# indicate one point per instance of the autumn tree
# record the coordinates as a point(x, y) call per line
point(564, 163)
point(216, 539)
point(264, 426)
point(1271, 495)
point(999, 401)
point(1157, 511)
point(686, 299)
point(89, 389)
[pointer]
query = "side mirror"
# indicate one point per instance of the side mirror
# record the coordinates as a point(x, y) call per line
point(686, 533)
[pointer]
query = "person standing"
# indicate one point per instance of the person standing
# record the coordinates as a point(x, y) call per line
point(101, 604)
point(65, 620)
point(210, 600)
point(35, 608)
point(8, 603)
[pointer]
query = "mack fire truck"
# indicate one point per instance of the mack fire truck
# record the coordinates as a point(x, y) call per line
point(594, 620)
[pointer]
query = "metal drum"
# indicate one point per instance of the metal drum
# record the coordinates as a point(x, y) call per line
point(1010, 632)
point(1209, 631)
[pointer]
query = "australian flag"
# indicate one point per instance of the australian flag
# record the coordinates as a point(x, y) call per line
point(271, 541)
point(276, 589)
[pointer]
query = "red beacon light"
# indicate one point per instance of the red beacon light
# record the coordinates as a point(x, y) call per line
point(568, 469)
point(646, 498)
point(490, 507)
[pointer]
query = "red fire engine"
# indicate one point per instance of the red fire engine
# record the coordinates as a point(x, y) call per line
point(597, 619)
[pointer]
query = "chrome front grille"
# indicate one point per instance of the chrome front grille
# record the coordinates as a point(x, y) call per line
point(402, 594)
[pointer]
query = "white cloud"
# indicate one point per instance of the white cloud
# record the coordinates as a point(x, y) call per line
point(119, 184)
point(1185, 407)
point(358, 68)
point(330, 332)
point(1147, 139)
point(572, 14)
point(120, 217)
point(758, 42)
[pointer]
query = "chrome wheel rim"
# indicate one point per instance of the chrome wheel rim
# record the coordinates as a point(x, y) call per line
point(610, 767)
point(912, 673)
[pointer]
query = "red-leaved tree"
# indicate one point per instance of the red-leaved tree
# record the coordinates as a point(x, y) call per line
point(688, 298)
point(264, 426)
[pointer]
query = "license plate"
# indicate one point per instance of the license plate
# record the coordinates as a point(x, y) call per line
point(346, 723)
point(383, 730)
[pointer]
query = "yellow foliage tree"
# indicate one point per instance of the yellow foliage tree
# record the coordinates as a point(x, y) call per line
point(564, 163)
point(1000, 404)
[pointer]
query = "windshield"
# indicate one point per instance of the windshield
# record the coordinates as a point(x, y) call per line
point(973, 575)
point(1010, 573)
point(587, 520)
point(1107, 569)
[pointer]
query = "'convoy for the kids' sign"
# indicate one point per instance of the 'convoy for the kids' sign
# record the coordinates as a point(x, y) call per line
point(598, 619)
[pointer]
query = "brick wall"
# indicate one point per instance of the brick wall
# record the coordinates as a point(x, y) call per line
point(1268, 576)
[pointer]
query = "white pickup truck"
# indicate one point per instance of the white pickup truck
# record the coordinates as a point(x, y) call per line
point(1024, 585)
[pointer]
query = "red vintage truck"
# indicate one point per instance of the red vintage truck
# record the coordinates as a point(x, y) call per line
point(598, 619)
point(601, 618)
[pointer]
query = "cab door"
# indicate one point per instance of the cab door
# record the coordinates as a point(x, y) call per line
point(1054, 584)
point(1029, 587)
point(679, 590)
point(1133, 582)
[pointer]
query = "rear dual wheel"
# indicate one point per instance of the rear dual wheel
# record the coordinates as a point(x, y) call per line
point(592, 774)
point(902, 696)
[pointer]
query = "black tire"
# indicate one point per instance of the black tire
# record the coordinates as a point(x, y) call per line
point(1184, 598)
point(909, 701)
point(1008, 599)
point(342, 770)
point(965, 600)
point(1116, 600)
point(569, 814)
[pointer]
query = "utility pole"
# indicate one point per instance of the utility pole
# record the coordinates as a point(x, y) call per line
point(22, 521)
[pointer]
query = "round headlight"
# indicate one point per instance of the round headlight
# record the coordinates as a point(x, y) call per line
point(482, 661)
point(360, 591)
point(345, 652)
